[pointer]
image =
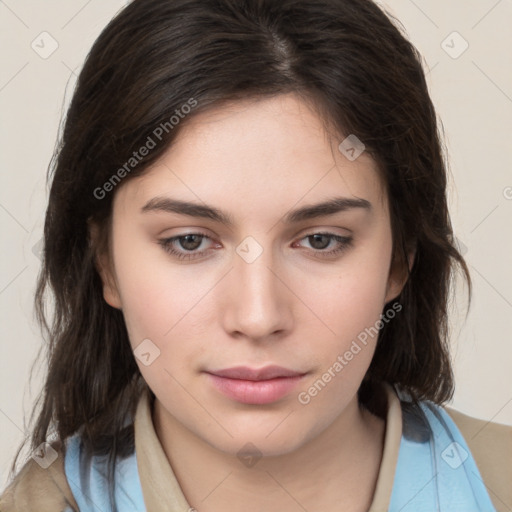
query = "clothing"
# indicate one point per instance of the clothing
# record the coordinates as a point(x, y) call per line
point(407, 477)
point(447, 477)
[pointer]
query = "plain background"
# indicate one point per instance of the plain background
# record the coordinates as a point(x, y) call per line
point(471, 89)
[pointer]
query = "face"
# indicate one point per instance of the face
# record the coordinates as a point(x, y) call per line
point(254, 275)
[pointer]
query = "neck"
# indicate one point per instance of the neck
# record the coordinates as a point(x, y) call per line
point(339, 465)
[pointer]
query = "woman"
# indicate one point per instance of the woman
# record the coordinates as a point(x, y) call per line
point(250, 251)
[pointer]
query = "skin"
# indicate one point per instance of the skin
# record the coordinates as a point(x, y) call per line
point(257, 160)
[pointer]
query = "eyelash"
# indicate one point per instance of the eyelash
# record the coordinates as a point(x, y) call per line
point(167, 244)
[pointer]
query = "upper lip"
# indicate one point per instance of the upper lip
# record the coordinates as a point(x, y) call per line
point(247, 373)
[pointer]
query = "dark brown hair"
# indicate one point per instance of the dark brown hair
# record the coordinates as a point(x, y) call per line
point(348, 59)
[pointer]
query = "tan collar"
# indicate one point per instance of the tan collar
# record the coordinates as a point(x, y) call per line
point(393, 436)
point(162, 492)
point(160, 488)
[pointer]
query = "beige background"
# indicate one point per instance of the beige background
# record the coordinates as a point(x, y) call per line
point(471, 90)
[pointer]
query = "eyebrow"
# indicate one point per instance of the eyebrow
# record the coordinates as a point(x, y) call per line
point(330, 207)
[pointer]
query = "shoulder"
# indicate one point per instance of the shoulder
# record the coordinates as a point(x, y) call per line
point(39, 488)
point(468, 461)
point(491, 446)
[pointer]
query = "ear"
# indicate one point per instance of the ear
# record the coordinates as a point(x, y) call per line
point(398, 275)
point(104, 266)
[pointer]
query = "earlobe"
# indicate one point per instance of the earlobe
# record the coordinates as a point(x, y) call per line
point(103, 266)
point(398, 275)
point(110, 293)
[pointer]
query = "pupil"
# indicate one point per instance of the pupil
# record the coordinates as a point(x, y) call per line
point(316, 239)
point(186, 240)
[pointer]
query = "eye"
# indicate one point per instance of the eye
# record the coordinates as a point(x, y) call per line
point(189, 242)
point(320, 241)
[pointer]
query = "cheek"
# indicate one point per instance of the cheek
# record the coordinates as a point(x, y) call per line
point(350, 305)
point(354, 297)
point(159, 300)
point(162, 321)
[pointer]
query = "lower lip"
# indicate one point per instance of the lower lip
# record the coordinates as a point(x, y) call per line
point(255, 392)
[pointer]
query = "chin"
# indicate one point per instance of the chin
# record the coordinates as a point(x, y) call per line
point(270, 440)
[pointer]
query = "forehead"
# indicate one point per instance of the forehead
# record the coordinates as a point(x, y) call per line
point(256, 155)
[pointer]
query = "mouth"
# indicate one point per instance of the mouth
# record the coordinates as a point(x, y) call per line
point(255, 386)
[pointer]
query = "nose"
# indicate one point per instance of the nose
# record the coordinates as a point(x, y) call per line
point(259, 303)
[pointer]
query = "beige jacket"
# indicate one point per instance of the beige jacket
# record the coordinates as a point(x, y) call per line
point(47, 490)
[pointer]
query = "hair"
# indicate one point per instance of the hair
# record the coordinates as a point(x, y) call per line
point(350, 61)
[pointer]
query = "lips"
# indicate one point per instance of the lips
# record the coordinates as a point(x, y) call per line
point(247, 373)
point(255, 386)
